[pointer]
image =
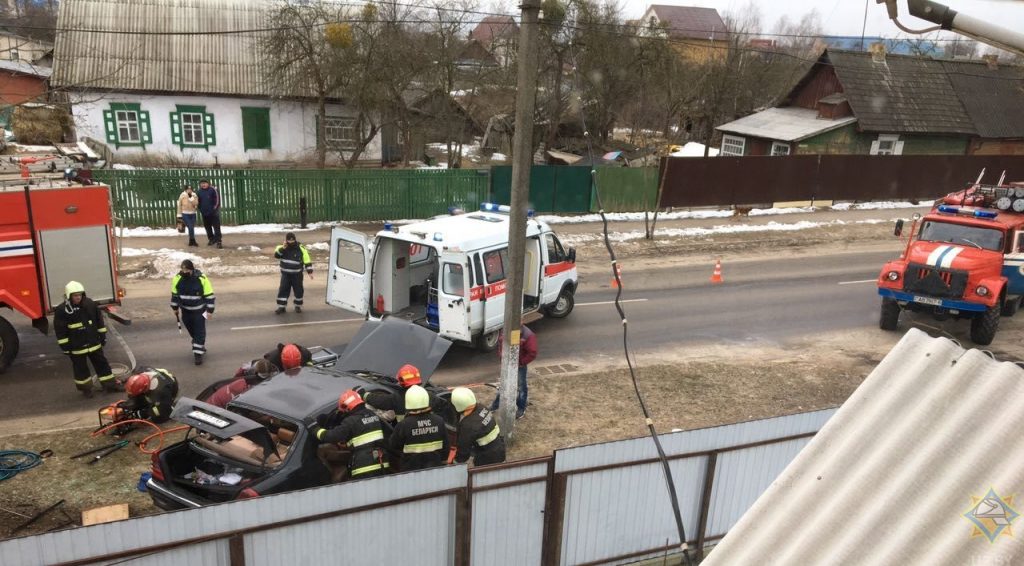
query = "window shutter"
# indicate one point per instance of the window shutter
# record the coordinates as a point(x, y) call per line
point(176, 137)
point(144, 130)
point(110, 126)
point(208, 130)
point(897, 148)
point(874, 147)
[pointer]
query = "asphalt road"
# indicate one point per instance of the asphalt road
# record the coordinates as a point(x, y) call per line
point(766, 299)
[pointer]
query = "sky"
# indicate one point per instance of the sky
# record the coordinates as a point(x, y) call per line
point(845, 17)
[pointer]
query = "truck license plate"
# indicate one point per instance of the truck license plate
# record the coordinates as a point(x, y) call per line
point(928, 301)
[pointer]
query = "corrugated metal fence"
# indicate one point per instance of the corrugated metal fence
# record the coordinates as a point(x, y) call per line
point(598, 504)
point(711, 181)
point(148, 197)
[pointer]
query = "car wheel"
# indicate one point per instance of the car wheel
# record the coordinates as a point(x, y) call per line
point(487, 342)
point(983, 327)
point(8, 344)
point(1010, 306)
point(563, 306)
point(890, 317)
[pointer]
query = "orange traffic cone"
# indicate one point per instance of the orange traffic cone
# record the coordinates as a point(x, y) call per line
point(716, 277)
point(615, 280)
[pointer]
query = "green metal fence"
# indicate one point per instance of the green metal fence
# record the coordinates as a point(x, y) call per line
point(626, 189)
point(553, 188)
point(148, 197)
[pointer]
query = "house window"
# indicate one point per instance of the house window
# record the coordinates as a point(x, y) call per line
point(779, 148)
point(256, 128)
point(887, 144)
point(733, 145)
point(192, 126)
point(340, 132)
point(127, 124)
point(14, 54)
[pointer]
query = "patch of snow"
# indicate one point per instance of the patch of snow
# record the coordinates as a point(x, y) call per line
point(572, 239)
point(145, 231)
point(877, 205)
point(693, 149)
point(255, 249)
point(21, 148)
point(499, 157)
point(123, 167)
point(773, 211)
point(322, 246)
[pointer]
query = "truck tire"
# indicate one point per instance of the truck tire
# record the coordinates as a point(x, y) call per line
point(8, 344)
point(563, 306)
point(1010, 306)
point(487, 342)
point(890, 317)
point(983, 328)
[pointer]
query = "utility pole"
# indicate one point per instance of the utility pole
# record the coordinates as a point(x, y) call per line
point(522, 160)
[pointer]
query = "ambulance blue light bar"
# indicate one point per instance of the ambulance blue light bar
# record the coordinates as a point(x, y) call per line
point(503, 208)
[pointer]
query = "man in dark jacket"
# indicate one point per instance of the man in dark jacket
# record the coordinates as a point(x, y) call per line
point(81, 334)
point(209, 207)
point(478, 433)
point(192, 292)
point(527, 353)
point(421, 437)
point(292, 257)
point(361, 431)
point(151, 394)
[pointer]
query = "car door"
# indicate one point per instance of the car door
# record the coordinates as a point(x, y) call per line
point(558, 269)
point(495, 262)
point(452, 296)
point(348, 282)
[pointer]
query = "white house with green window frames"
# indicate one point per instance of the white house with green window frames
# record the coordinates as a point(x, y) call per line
point(209, 130)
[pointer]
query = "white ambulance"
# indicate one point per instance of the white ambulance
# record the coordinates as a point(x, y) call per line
point(448, 273)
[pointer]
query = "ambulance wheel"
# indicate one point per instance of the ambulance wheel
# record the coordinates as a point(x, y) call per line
point(1010, 306)
point(8, 344)
point(487, 342)
point(983, 328)
point(890, 317)
point(563, 306)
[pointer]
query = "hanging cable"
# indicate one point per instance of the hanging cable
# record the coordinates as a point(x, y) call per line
point(630, 363)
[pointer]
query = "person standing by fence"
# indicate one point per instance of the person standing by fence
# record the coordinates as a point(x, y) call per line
point(188, 204)
point(209, 207)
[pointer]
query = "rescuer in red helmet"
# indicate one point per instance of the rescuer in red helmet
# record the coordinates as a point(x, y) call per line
point(151, 394)
point(289, 356)
point(392, 404)
point(361, 431)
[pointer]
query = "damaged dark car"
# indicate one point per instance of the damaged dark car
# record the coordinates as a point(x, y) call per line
point(261, 443)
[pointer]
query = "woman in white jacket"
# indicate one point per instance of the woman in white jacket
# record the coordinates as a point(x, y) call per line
point(188, 202)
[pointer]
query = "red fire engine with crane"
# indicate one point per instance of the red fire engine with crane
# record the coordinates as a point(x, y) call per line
point(49, 236)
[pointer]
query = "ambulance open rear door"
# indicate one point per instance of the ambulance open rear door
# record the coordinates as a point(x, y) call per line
point(348, 283)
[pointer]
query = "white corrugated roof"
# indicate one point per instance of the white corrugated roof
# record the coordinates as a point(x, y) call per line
point(784, 124)
point(901, 473)
point(25, 68)
point(202, 64)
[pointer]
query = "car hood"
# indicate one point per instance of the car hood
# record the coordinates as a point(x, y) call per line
point(386, 345)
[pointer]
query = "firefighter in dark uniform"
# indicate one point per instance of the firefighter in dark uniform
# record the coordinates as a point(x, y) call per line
point(361, 432)
point(81, 334)
point(289, 356)
point(478, 433)
point(192, 292)
point(392, 403)
point(420, 438)
point(293, 258)
point(151, 394)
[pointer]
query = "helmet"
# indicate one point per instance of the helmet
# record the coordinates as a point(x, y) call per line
point(291, 357)
point(416, 398)
point(73, 287)
point(409, 375)
point(137, 384)
point(463, 398)
point(349, 401)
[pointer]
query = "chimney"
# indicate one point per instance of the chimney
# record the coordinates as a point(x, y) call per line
point(991, 60)
point(877, 52)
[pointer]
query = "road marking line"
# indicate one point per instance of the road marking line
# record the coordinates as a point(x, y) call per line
point(297, 323)
point(610, 302)
point(855, 282)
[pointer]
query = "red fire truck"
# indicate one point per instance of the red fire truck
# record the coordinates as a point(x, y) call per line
point(964, 259)
point(49, 236)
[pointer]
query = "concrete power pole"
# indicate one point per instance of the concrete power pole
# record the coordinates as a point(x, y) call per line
point(522, 160)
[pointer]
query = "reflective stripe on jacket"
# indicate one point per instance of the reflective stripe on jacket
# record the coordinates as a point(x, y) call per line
point(79, 329)
point(192, 293)
point(293, 259)
point(422, 440)
point(480, 437)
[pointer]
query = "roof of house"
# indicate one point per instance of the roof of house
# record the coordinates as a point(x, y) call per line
point(494, 27)
point(993, 98)
point(202, 64)
point(923, 464)
point(901, 94)
point(691, 22)
point(784, 124)
point(25, 68)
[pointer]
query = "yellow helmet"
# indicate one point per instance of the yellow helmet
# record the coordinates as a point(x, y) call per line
point(416, 398)
point(463, 398)
point(73, 287)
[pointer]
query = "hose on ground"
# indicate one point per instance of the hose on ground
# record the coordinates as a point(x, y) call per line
point(142, 444)
point(14, 461)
